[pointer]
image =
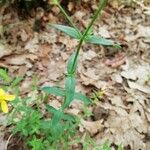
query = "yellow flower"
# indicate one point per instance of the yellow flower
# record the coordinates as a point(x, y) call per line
point(101, 93)
point(3, 98)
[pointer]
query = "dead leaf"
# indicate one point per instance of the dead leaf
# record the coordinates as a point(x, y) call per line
point(88, 55)
point(117, 61)
point(32, 45)
point(133, 85)
point(103, 31)
point(21, 59)
point(92, 126)
point(4, 50)
point(55, 70)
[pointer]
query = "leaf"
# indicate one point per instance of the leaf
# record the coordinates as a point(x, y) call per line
point(98, 40)
point(57, 131)
point(57, 91)
point(69, 90)
point(4, 75)
point(120, 147)
point(16, 81)
point(51, 109)
point(82, 97)
point(45, 125)
point(57, 117)
point(106, 146)
point(35, 143)
point(70, 68)
point(117, 46)
point(68, 117)
point(68, 30)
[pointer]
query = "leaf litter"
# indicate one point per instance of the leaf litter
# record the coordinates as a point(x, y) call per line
point(122, 117)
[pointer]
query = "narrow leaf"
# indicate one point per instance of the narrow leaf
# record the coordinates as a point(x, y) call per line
point(99, 40)
point(56, 118)
point(57, 91)
point(67, 30)
point(70, 68)
point(120, 147)
point(45, 125)
point(51, 109)
point(57, 131)
point(69, 90)
point(80, 96)
point(16, 81)
point(4, 75)
point(68, 117)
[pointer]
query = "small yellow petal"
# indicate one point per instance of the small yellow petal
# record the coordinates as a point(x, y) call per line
point(4, 107)
point(2, 92)
point(9, 97)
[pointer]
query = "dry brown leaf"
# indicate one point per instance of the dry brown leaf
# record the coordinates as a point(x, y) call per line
point(117, 61)
point(4, 50)
point(21, 59)
point(103, 31)
point(117, 78)
point(133, 85)
point(55, 70)
point(88, 55)
point(33, 44)
point(92, 126)
point(22, 70)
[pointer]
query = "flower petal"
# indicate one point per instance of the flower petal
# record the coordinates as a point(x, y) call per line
point(4, 107)
point(9, 97)
point(2, 92)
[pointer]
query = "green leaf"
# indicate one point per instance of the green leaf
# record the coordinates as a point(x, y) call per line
point(36, 144)
point(69, 90)
point(16, 81)
point(82, 97)
point(68, 117)
point(120, 147)
point(117, 46)
point(57, 131)
point(67, 30)
point(57, 91)
point(57, 117)
point(51, 109)
point(45, 125)
point(70, 68)
point(106, 146)
point(4, 75)
point(99, 40)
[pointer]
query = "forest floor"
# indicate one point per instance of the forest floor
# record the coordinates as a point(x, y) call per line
point(122, 114)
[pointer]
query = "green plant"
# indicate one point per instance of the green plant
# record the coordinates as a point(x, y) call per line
point(36, 144)
point(96, 96)
point(107, 146)
point(68, 93)
point(29, 124)
point(8, 82)
point(59, 127)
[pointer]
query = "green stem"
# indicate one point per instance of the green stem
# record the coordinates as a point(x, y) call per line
point(68, 18)
point(101, 5)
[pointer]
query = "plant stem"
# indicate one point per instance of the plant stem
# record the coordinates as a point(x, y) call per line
point(68, 18)
point(101, 5)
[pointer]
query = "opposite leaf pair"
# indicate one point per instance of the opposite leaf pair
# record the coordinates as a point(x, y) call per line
point(90, 38)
